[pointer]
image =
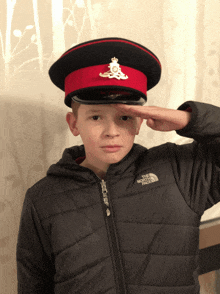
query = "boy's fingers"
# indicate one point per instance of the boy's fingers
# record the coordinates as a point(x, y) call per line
point(121, 106)
point(132, 109)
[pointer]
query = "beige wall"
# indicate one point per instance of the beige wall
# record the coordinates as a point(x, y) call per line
point(183, 34)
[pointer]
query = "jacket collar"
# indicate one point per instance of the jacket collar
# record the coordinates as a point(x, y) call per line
point(68, 167)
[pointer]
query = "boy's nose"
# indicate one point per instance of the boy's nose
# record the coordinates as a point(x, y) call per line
point(111, 129)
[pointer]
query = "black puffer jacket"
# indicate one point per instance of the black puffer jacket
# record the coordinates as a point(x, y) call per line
point(137, 232)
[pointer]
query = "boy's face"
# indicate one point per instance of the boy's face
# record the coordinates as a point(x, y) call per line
point(100, 126)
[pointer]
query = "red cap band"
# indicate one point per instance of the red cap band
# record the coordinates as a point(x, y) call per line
point(89, 77)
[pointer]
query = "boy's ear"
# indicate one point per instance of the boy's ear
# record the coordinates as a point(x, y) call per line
point(71, 120)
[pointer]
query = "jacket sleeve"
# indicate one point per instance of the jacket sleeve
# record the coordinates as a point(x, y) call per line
point(35, 270)
point(196, 166)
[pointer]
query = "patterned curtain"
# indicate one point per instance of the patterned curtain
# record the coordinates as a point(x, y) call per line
point(34, 33)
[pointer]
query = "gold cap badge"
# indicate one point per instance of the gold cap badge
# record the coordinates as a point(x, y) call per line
point(115, 71)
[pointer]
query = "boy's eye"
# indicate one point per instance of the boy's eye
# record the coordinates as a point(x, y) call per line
point(95, 117)
point(125, 118)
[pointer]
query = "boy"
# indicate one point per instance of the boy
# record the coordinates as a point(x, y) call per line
point(112, 216)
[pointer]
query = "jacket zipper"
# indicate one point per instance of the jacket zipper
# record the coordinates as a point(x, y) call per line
point(114, 244)
point(105, 197)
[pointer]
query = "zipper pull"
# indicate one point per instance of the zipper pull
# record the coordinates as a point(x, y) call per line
point(105, 197)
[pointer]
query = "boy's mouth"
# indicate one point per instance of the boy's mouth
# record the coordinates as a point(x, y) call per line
point(111, 148)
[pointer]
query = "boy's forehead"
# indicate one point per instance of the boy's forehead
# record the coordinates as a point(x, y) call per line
point(94, 108)
point(101, 109)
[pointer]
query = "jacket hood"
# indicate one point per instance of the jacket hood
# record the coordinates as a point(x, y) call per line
point(67, 166)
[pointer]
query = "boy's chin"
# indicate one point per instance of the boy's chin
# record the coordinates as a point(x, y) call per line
point(114, 160)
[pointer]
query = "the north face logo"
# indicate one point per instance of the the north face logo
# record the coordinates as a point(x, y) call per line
point(148, 179)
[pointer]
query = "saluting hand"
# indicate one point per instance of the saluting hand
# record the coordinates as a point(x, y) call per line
point(158, 118)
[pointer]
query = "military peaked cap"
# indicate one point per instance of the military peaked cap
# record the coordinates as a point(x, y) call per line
point(103, 71)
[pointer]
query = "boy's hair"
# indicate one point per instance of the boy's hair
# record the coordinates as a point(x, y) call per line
point(75, 106)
